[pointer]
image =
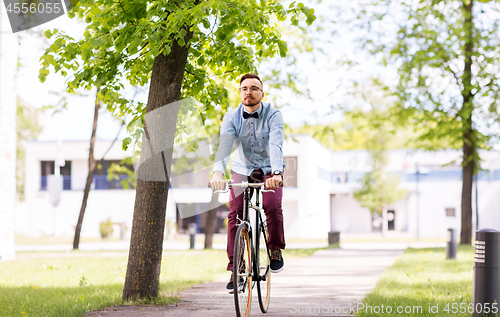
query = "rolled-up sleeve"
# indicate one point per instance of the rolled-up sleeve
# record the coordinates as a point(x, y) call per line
point(227, 138)
point(276, 139)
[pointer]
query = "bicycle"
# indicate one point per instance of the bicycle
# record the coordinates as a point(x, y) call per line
point(245, 277)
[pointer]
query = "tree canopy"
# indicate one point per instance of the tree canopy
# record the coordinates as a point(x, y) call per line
point(446, 58)
point(122, 39)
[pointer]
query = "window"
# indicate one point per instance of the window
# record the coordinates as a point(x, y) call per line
point(101, 175)
point(47, 168)
point(290, 172)
point(390, 219)
point(450, 212)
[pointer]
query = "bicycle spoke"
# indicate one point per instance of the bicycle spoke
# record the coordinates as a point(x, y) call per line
point(242, 273)
point(264, 285)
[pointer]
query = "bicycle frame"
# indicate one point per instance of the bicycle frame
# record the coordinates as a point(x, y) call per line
point(252, 269)
point(258, 187)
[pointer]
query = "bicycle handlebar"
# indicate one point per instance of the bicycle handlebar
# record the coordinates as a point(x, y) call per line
point(244, 185)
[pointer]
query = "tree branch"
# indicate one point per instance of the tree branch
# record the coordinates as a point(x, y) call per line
point(121, 5)
point(112, 143)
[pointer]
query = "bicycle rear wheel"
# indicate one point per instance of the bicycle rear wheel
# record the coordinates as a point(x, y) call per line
point(242, 268)
point(264, 285)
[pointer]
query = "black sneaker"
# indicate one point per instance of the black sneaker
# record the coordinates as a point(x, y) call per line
point(230, 286)
point(277, 261)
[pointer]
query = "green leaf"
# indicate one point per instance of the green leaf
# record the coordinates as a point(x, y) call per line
point(155, 51)
point(120, 45)
point(133, 47)
point(125, 143)
point(283, 47)
point(48, 34)
point(166, 50)
point(95, 10)
point(154, 37)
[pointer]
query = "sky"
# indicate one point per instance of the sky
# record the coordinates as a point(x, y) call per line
point(76, 120)
point(321, 72)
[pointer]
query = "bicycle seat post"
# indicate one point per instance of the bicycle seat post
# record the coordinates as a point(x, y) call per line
point(257, 192)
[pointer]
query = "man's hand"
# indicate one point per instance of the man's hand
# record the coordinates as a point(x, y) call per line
point(217, 182)
point(273, 182)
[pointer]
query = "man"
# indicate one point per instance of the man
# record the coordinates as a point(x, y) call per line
point(257, 131)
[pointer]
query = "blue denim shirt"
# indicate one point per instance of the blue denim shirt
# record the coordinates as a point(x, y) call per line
point(257, 142)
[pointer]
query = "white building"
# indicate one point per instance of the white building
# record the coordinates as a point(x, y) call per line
point(317, 198)
point(440, 188)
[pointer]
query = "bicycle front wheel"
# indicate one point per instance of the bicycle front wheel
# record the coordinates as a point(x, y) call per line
point(264, 283)
point(242, 268)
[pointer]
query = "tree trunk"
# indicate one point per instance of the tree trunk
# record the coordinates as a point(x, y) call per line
point(468, 132)
point(90, 177)
point(467, 176)
point(148, 225)
point(211, 222)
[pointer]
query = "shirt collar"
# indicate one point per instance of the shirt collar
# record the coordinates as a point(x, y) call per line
point(259, 111)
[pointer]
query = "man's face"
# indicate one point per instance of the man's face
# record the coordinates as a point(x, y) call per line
point(251, 92)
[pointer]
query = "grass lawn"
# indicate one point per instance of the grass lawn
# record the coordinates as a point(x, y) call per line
point(422, 279)
point(70, 286)
point(60, 240)
point(61, 284)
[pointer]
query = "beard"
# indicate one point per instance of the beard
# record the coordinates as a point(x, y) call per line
point(250, 102)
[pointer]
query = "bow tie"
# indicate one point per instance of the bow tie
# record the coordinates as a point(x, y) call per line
point(247, 115)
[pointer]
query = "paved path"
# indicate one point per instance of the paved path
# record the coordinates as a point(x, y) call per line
point(323, 284)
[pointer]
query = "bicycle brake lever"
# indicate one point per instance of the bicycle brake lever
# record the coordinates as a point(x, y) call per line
point(267, 191)
point(221, 191)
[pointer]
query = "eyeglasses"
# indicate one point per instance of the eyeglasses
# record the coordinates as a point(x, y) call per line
point(252, 89)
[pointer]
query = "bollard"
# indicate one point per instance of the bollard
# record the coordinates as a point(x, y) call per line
point(451, 245)
point(333, 237)
point(485, 285)
point(192, 234)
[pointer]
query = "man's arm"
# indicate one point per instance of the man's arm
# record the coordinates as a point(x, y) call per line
point(227, 137)
point(276, 139)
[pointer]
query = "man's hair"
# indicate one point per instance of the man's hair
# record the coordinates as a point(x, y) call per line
point(246, 76)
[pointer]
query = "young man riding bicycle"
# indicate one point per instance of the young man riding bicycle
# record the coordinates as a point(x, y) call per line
point(257, 131)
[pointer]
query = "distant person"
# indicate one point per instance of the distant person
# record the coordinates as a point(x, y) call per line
point(258, 130)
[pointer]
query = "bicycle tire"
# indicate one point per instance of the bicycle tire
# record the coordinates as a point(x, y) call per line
point(242, 268)
point(264, 287)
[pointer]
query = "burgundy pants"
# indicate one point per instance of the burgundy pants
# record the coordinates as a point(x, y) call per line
point(271, 202)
